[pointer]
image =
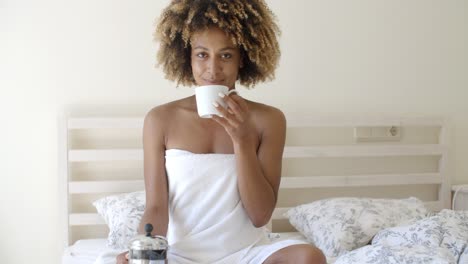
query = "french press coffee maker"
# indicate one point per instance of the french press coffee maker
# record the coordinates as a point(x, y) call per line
point(148, 249)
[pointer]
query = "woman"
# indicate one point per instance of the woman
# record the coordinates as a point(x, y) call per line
point(211, 184)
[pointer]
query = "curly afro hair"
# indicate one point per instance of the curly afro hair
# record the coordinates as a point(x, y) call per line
point(250, 23)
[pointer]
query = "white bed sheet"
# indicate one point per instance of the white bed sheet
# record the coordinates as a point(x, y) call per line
point(85, 251)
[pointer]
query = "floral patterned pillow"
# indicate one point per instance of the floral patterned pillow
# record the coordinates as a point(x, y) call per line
point(439, 239)
point(122, 213)
point(339, 225)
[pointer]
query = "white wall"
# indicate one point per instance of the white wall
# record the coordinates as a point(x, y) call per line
point(368, 56)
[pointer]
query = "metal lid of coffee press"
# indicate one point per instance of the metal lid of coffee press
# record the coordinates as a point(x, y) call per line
point(148, 242)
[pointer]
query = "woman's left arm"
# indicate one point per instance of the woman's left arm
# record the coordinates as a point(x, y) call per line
point(259, 150)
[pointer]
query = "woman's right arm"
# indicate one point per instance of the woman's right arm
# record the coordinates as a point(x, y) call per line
point(156, 210)
point(156, 187)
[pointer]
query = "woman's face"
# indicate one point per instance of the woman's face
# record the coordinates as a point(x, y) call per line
point(214, 58)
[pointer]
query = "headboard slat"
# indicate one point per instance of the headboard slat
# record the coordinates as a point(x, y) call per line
point(360, 180)
point(289, 152)
point(105, 186)
point(84, 219)
point(94, 123)
point(81, 187)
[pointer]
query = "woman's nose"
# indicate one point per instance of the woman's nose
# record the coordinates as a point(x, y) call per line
point(214, 65)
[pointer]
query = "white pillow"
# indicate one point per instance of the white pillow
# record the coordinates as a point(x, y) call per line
point(339, 225)
point(122, 213)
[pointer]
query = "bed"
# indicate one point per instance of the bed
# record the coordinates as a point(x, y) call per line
point(329, 161)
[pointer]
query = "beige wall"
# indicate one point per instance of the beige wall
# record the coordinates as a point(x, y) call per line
point(396, 57)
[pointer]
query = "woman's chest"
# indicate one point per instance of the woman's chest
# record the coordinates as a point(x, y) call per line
point(198, 137)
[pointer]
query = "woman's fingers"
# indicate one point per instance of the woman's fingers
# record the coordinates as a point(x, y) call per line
point(122, 258)
point(232, 105)
point(223, 120)
point(234, 118)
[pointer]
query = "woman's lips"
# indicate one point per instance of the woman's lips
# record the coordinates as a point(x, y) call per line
point(206, 82)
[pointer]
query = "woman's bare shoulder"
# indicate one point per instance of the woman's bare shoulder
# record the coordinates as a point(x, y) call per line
point(266, 115)
point(168, 111)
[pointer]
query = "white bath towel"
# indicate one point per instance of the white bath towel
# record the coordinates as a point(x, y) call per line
point(207, 221)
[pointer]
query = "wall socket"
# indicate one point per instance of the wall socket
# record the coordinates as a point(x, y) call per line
point(377, 133)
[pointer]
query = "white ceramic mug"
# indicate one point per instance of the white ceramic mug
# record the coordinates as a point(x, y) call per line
point(206, 95)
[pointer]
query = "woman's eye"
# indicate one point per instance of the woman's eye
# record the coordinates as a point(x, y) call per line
point(226, 56)
point(201, 55)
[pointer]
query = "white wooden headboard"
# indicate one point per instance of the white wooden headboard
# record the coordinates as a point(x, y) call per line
point(103, 156)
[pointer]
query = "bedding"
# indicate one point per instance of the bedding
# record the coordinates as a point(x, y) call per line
point(85, 251)
point(96, 251)
point(122, 214)
point(439, 239)
point(358, 220)
point(339, 225)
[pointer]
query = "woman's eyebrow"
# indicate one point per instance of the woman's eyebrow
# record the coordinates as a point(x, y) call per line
point(223, 49)
point(200, 47)
point(227, 48)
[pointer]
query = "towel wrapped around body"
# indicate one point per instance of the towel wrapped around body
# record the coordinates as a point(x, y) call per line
point(207, 221)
